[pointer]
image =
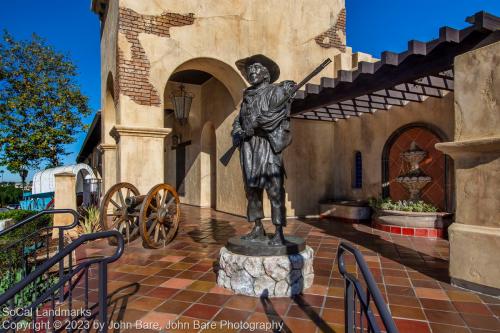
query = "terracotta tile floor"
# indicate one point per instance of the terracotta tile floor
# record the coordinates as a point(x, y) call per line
point(175, 286)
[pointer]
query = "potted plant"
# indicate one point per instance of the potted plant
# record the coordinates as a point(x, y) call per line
point(88, 224)
point(406, 213)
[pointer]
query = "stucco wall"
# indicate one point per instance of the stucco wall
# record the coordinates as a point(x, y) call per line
point(108, 106)
point(478, 117)
point(228, 31)
point(369, 133)
point(475, 235)
point(296, 37)
point(309, 161)
point(108, 65)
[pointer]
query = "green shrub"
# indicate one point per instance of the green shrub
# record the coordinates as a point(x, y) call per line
point(9, 194)
point(28, 294)
point(12, 251)
point(18, 215)
point(403, 205)
point(90, 222)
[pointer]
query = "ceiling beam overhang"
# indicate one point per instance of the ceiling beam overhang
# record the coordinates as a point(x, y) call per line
point(424, 70)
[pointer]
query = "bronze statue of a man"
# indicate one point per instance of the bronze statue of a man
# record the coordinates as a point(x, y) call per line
point(262, 131)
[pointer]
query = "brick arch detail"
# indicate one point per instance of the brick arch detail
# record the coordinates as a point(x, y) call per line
point(133, 74)
point(330, 38)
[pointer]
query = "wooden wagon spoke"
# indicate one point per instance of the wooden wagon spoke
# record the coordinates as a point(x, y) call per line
point(163, 233)
point(163, 198)
point(120, 195)
point(113, 213)
point(114, 224)
point(157, 229)
point(115, 204)
point(160, 201)
point(170, 202)
point(152, 228)
point(127, 230)
point(157, 200)
point(120, 227)
point(153, 204)
point(132, 220)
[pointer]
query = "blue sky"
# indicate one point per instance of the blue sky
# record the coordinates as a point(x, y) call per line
point(372, 27)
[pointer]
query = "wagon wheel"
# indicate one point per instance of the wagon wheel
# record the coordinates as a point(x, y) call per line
point(159, 216)
point(115, 215)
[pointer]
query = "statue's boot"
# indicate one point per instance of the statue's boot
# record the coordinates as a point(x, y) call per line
point(258, 232)
point(278, 238)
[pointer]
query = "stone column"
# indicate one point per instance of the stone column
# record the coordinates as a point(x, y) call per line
point(475, 235)
point(109, 166)
point(140, 155)
point(64, 198)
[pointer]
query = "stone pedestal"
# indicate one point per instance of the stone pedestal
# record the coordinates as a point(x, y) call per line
point(272, 276)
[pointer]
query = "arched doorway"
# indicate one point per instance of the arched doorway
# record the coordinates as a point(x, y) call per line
point(208, 171)
point(435, 164)
point(193, 148)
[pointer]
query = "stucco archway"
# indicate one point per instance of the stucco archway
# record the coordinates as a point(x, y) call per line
point(109, 113)
point(222, 71)
point(192, 150)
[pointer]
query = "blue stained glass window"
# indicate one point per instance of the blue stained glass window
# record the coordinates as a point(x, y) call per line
point(358, 170)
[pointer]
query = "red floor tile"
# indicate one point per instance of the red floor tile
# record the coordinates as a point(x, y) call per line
point(232, 315)
point(412, 326)
point(178, 283)
point(472, 308)
point(201, 311)
point(213, 299)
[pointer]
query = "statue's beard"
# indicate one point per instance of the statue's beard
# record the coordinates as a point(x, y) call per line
point(256, 80)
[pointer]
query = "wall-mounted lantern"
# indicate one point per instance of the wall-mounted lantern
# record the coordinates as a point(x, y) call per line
point(181, 100)
point(176, 139)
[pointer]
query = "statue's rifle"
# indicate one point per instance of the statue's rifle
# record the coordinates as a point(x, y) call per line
point(227, 156)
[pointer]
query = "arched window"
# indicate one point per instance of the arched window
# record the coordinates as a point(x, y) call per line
point(357, 180)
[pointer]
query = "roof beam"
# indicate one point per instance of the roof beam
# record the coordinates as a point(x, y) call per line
point(421, 59)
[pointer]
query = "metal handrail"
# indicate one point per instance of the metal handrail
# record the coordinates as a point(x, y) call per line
point(58, 258)
point(353, 287)
point(60, 237)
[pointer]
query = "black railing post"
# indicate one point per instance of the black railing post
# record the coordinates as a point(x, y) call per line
point(9, 297)
point(103, 296)
point(349, 307)
point(61, 264)
point(354, 292)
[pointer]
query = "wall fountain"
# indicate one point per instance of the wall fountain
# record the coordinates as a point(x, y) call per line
point(415, 179)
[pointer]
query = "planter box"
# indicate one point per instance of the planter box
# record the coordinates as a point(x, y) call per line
point(399, 218)
point(347, 209)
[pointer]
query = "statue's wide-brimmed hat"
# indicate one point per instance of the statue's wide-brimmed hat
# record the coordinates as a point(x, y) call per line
point(272, 67)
